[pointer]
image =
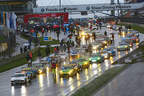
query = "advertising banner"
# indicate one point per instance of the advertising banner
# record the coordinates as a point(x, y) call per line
point(87, 7)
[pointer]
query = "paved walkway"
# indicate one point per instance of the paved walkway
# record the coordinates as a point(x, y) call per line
point(128, 83)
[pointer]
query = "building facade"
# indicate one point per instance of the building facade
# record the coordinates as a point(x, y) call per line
point(134, 1)
point(17, 6)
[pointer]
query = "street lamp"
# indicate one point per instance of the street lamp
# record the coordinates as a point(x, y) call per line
point(60, 4)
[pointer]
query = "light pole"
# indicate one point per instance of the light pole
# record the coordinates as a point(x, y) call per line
point(60, 4)
point(112, 11)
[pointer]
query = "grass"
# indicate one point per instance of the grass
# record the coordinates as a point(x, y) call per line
point(135, 27)
point(99, 82)
point(2, 38)
point(24, 36)
point(14, 62)
point(19, 60)
point(42, 42)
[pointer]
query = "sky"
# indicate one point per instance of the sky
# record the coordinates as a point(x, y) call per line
point(71, 2)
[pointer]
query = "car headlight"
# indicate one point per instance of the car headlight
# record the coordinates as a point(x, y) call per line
point(39, 71)
point(98, 58)
point(105, 42)
point(70, 72)
point(90, 59)
point(94, 47)
point(93, 60)
point(85, 63)
point(105, 56)
point(82, 33)
point(61, 72)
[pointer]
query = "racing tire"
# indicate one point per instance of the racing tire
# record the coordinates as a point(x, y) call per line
point(12, 84)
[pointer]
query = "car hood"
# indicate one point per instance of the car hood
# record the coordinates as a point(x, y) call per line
point(121, 46)
point(18, 78)
point(94, 58)
point(65, 71)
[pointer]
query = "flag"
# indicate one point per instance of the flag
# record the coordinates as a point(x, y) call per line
point(4, 21)
point(1, 17)
point(14, 20)
point(11, 21)
point(7, 20)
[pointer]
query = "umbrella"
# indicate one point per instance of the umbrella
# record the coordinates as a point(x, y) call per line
point(32, 30)
point(55, 26)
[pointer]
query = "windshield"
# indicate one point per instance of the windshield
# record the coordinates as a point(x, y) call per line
point(80, 60)
point(123, 44)
point(66, 67)
point(19, 75)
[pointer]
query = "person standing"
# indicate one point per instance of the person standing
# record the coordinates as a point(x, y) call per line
point(61, 45)
point(42, 32)
point(39, 54)
point(25, 49)
point(91, 27)
point(55, 51)
point(47, 50)
point(105, 33)
point(65, 47)
point(27, 57)
point(21, 50)
point(94, 36)
point(113, 36)
point(100, 25)
point(58, 32)
point(30, 55)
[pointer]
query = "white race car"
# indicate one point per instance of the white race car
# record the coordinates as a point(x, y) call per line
point(20, 78)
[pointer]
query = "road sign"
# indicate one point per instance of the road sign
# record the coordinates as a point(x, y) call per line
point(34, 34)
point(45, 38)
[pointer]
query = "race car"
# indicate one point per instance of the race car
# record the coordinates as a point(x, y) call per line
point(104, 41)
point(123, 46)
point(41, 68)
point(122, 33)
point(106, 55)
point(83, 62)
point(131, 39)
point(97, 46)
point(77, 66)
point(31, 72)
point(110, 50)
point(133, 33)
point(74, 53)
point(82, 34)
point(68, 70)
point(96, 58)
point(63, 56)
point(20, 78)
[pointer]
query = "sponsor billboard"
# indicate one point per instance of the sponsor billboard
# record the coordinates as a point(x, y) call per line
point(87, 7)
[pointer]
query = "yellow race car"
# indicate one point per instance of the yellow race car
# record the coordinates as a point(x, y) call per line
point(68, 70)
